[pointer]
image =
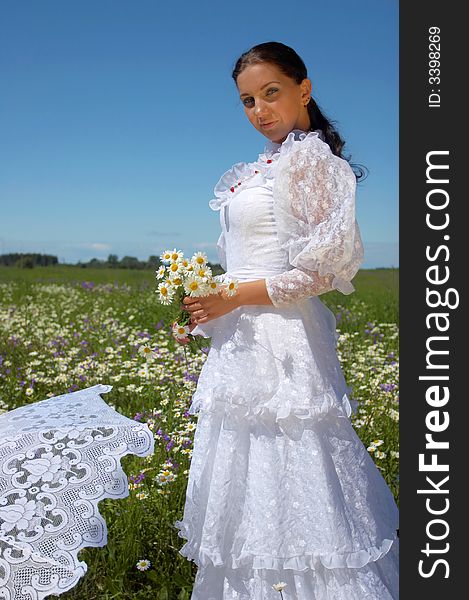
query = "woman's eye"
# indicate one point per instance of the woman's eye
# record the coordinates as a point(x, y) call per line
point(251, 100)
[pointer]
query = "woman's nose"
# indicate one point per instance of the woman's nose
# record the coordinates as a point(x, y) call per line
point(259, 108)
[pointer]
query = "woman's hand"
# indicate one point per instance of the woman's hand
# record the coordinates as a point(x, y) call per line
point(206, 308)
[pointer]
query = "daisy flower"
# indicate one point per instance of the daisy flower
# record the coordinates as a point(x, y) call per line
point(146, 352)
point(199, 259)
point(177, 255)
point(143, 372)
point(166, 293)
point(279, 586)
point(214, 286)
point(143, 565)
point(231, 287)
point(175, 267)
point(180, 331)
point(161, 272)
point(189, 268)
point(203, 272)
point(176, 279)
point(166, 256)
point(195, 286)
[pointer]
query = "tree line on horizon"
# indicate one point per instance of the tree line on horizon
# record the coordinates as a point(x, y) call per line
point(31, 260)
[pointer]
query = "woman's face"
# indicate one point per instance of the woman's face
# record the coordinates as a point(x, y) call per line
point(273, 102)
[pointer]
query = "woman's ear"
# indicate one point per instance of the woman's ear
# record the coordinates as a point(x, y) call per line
point(306, 90)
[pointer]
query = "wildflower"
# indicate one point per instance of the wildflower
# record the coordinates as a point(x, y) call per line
point(195, 286)
point(189, 268)
point(199, 259)
point(214, 286)
point(143, 565)
point(231, 287)
point(175, 279)
point(279, 586)
point(161, 272)
point(380, 454)
point(146, 352)
point(176, 255)
point(166, 293)
point(180, 331)
point(204, 273)
point(166, 256)
point(29, 391)
point(143, 372)
point(175, 268)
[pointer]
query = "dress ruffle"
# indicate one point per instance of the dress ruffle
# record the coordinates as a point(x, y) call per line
point(242, 176)
point(326, 525)
point(275, 413)
point(376, 579)
point(248, 562)
point(287, 389)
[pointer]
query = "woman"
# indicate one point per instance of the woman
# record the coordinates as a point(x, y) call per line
point(283, 498)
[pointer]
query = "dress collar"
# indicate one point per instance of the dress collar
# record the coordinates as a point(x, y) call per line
point(295, 134)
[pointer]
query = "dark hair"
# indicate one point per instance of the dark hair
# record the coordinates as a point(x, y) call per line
point(290, 64)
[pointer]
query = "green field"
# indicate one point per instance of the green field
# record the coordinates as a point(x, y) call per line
point(66, 328)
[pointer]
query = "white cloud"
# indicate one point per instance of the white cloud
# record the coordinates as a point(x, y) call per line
point(96, 246)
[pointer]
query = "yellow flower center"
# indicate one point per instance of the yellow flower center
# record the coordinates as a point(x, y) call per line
point(193, 285)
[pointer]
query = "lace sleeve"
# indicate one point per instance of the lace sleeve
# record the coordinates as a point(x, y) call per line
point(296, 284)
point(315, 213)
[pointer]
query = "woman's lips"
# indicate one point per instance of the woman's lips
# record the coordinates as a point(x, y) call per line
point(268, 125)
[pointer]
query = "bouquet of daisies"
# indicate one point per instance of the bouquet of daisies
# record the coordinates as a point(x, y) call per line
point(182, 277)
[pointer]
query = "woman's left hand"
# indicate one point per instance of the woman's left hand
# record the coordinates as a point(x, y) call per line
point(206, 308)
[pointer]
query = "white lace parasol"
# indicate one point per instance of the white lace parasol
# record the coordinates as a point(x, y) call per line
point(58, 458)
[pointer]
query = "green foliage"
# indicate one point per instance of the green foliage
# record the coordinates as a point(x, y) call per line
point(61, 331)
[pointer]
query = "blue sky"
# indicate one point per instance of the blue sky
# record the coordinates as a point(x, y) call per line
point(117, 118)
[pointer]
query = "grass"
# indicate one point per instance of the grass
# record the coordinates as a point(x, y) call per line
point(65, 328)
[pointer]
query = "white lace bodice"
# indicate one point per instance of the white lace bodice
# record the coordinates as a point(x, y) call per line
point(289, 218)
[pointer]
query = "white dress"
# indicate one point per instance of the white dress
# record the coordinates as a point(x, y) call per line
point(281, 488)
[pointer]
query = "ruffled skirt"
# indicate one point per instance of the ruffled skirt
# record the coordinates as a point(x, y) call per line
point(281, 488)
